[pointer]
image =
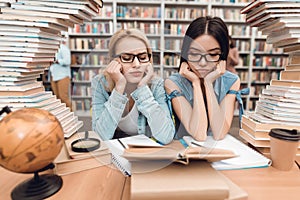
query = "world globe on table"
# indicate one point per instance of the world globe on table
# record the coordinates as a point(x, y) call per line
point(30, 139)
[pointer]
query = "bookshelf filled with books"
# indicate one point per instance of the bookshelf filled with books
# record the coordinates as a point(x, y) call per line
point(165, 22)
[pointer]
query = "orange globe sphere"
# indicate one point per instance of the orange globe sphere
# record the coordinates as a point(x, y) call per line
point(30, 139)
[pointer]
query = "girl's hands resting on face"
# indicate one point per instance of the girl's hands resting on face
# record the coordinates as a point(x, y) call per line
point(186, 72)
point(148, 75)
point(219, 71)
point(114, 69)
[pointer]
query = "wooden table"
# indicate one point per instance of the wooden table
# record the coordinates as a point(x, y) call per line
point(108, 183)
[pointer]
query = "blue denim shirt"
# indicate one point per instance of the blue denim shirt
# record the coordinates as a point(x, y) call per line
point(221, 87)
point(154, 118)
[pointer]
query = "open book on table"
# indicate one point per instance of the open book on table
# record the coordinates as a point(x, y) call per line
point(141, 148)
point(247, 157)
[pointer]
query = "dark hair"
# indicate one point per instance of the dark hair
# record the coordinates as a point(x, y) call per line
point(231, 42)
point(213, 26)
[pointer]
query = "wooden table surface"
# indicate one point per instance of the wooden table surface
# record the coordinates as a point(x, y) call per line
point(108, 183)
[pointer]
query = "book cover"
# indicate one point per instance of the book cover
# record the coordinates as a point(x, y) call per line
point(294, 48)
point(175, 181)
point(257, 142)
point(254, 4)
point(260, 123)
point(286, 42)
point(283, 118)
point(65, 165)
point(24, 92)
point(293, 67)
point(292, 93)
point(40, 42)
point(255, 133)
point(78, 13)
point(21, 87)
point(35, 13)
point(64, 4)
point(290, 75)
point(286, 83)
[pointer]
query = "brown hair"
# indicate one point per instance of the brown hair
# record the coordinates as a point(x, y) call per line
point(124, 33)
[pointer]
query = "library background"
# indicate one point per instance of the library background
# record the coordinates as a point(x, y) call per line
point(165, 23)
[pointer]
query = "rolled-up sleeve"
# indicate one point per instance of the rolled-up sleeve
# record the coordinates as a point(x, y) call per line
point(107, 110)
point(153, 105)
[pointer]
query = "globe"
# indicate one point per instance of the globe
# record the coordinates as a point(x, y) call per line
point(30, 139)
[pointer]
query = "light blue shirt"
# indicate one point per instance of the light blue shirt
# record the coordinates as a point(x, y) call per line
point(61, 69)
point(154, 118)
point(221, 87)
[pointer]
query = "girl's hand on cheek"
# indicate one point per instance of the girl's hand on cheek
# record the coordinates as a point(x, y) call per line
point(149, 72)
point(219, 71)
point(114, 69)
point(187, 72)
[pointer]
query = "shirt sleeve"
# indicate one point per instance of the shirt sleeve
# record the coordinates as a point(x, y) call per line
point(64, 56)
point(153, 105)
point(107, 110)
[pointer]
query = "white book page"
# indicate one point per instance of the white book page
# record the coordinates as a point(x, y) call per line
point(247, 157)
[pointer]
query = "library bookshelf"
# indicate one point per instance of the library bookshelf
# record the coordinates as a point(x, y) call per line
point(165, 22)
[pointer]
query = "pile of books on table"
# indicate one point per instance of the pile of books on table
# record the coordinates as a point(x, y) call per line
point(30, 35)
point(279, 103)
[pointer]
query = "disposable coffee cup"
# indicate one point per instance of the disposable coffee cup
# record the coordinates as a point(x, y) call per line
point(283, 144)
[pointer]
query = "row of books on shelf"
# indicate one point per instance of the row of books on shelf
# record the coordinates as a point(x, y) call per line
point(81, 90)
point(131, 11)
point(173, 44)
point(103, 27)
point(242, 45)
point(267, 48)
point(239, 30)
point(146, 27)
point(184, 13)
point(172, 60)
point(81, 105)
point(85, 74)
point(175, 29)
point(264, 76)
point(89, 59)
point(106, 11)
point(231, 14)
point(88, 43)
point(100, 44)
point(269, 61)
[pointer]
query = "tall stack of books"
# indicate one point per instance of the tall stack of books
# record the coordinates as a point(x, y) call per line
point(30, 35)
point(279, 102)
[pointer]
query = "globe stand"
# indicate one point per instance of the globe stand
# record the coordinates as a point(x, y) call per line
point(38, 187)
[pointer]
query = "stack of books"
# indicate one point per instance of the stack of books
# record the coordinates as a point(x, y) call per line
point(279, 103)
point(30, 35)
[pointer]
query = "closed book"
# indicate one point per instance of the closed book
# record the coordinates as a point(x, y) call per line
point(198, 180)
point(65, 165)
point(287, 83)
point(290, 75)
point(24, 92)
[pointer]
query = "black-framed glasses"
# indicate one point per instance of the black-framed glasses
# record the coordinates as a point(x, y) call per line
point(129, 58)
point(211, 57)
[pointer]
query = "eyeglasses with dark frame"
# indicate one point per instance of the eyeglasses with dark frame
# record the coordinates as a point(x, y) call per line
point(211, 57)
point(129, 58)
